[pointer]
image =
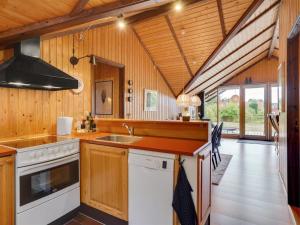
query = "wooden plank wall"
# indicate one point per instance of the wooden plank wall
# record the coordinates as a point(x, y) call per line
point(28, 112)
point(261, 73)
point(289, 11)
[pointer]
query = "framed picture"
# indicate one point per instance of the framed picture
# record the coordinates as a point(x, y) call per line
point(104, 97)
point(150, 100)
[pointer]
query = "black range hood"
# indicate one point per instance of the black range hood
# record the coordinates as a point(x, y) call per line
point(26, 70)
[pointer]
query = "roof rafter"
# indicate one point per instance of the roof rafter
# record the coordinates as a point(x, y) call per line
point(260, 15)
point(229, 36)
point(147, 14)
point(221, 16)
point(157, 11)
point(108, 10)
point(79, 7)
point(234, 62)
point(230, 73)
point(243, 45)
point(274, 38)
point(152, 60)
point(178, 44)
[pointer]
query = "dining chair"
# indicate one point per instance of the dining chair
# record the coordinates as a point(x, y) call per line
point(214, 144)
point(219, 137)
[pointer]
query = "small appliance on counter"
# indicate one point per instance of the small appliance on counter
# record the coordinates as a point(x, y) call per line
point(64, 125)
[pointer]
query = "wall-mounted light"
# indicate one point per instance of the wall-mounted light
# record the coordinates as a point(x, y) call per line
point(75, 60)
point(121, 23)
point(178, 6)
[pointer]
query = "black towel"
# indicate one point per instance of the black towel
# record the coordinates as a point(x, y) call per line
point(182, 200)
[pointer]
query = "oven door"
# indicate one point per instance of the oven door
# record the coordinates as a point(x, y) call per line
point(40, 183)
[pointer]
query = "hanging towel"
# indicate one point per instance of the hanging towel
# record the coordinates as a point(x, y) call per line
point(183, 203)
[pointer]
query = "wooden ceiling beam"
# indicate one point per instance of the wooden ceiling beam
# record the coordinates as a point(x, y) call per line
point(147, 14)
point(233, 71)
point(260, 15)
point(243, 45)
point(152, 60)
point(108, 10)
point(158, 11)
point(234, 62)
point(255, 4)
point(274, 39)
point(178, 45)
point(79, 7)
point(221, 16)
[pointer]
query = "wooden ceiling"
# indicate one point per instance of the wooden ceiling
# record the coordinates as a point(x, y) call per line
point(180, 43)
point(199, 48)
point(255, 40)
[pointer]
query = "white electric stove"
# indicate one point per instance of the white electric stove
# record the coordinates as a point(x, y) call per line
point(47, 178)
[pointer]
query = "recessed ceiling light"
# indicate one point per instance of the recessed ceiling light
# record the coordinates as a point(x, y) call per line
point(182, 31)
point(178, 6)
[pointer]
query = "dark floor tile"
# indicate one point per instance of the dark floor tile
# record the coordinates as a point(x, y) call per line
point(84, 220)
point(72, 222)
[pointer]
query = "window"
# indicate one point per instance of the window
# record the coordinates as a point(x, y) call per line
point(229, 110)
point(211, 110)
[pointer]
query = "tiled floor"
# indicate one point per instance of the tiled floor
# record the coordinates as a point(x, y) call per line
point(250, 193)
point(81, 219)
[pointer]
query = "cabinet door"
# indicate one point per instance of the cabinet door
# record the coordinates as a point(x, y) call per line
point(7, 177)
point(204, 185)
point(104, 179)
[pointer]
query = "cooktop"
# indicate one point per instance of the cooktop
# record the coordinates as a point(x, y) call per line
point(31, 142)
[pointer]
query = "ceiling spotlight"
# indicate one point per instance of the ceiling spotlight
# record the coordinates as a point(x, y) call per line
point(182, 31)
point(121, 23)
point(178, 6)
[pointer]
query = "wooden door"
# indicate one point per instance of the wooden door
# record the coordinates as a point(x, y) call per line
point(104, 179)
point(7, 177)
point(293, 112)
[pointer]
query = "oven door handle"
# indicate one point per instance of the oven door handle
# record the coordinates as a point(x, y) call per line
point(46, 165)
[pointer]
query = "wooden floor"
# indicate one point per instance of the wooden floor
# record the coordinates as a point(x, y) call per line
point(81, 219)
point(250, 191)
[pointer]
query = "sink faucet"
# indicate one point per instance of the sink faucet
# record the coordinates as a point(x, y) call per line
point(129, 129)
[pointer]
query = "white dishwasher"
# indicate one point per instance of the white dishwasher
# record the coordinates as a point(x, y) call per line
point(150, 187)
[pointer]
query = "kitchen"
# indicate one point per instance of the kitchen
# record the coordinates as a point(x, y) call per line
point(149, 112)
point(118, 164)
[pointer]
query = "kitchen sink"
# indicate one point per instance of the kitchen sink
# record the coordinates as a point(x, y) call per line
point(126, 139)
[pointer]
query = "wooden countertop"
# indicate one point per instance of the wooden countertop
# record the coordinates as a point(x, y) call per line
point(158, 144)
point(5, 151)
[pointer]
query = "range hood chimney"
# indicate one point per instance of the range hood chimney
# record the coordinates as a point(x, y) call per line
point(26, 70)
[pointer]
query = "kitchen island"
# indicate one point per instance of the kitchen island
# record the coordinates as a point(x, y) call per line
point(105, 174)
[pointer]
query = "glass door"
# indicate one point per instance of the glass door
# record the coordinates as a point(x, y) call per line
point(229, 110)
point(255, 111)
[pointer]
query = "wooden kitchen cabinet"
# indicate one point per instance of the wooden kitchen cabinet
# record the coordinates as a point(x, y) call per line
point(104, 179)
point(204, 185)
point(7, 178)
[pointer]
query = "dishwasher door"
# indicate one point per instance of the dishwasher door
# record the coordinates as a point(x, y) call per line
point(151, 179)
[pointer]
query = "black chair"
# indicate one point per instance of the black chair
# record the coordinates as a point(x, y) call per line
point(214, 144)
point(219, 136)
